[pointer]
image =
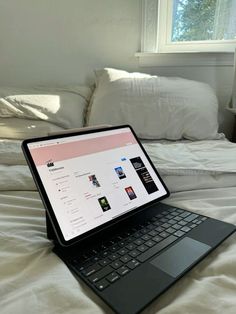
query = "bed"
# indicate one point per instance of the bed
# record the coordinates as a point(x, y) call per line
point(201, 176)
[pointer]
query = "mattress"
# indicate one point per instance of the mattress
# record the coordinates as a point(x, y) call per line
point(201, 177)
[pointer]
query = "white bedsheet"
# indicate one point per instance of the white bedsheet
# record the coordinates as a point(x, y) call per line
point(186, 166)
point(34, 279)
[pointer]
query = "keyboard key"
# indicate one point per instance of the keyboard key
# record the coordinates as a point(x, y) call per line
point(179, 233)
point(177, 218)
point(157, 239)
point(104, 262)
point(102, 284)
point(81, 265)
point(156, 248)
point(177, 226)
point(142, 248)
point(144, 230)
point(157, 223)
point(110, 242)
point(105, 254)
point(193, 226)
point(94, 259)
point(185, 229)
point(86, 256)
point(191, 217)
point(163, 219)
point(122, 251)
point(131, 246)
point(94, 251)
point(125, 258)
point(134, 253)
point(153, 233)
point(138, 241)
point(164, 212)
point(101, 247)
point(116, 264)
point(122, 243)
point(113, 256)
point(141, 226)
point(184, 214)
point(150, 243)
point(133, 264)
point(123, 271)
point(100, 274)
point(151, 227)
point(137, 234)
point(159, 229)
point(204, 218)
point(127, 234)
point(91, 269)
point(146, 237)
point(114, 248)
point(118, 238)
point(170, 230)
point(166, 225)
point(164, 234)
point(113, 277)
point(182, 223)
point(153, 219)
point(129, 239)
point(172, 221)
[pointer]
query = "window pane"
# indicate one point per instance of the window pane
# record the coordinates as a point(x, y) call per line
point(203, 20)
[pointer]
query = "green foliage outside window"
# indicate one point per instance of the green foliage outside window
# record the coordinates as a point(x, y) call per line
point(203, 20)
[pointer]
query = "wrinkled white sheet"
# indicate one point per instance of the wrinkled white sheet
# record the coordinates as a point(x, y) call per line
point(186, 166)
point(191, 158)
point(11, 153)
point(33, 279)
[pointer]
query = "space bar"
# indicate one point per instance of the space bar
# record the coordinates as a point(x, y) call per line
point(156, 248)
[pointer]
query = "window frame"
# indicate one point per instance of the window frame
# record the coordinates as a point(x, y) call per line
point(157, 27)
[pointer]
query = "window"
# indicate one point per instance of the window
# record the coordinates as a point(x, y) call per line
point(189, 25)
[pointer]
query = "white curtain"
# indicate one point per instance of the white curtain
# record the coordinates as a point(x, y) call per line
point(232, 104)
point(225, 20)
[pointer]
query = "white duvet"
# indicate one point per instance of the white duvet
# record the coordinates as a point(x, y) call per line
point(202, 178)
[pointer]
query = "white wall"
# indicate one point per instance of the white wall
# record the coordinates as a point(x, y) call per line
point(63, 41)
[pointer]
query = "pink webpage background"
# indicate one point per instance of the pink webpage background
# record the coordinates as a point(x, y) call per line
point(59, 152)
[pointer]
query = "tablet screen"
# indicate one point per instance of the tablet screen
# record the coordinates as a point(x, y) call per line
point(91, 179)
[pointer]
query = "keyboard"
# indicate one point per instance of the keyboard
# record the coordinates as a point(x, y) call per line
point(109, 261)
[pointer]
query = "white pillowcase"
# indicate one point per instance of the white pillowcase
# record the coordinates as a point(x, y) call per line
point(64, 107)
point(156, 107)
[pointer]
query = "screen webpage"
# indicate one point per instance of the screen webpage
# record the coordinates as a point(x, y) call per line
point(93, 178)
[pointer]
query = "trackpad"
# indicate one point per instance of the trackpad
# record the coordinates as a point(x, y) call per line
point(180, 256)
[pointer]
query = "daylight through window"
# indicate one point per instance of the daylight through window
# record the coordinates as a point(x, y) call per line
point(203, 20)
point(189, 25)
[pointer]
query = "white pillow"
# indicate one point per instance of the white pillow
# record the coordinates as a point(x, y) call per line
point(14, 128)
point(64, 107)
point(156, 107)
